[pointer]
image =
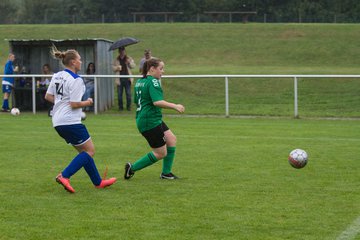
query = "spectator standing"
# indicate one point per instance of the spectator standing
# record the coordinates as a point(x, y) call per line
point(122, 65)
point(65, 91)
point(8, 82)
point(147, 56)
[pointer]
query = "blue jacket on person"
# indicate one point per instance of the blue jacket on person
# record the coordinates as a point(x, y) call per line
point(9, 69)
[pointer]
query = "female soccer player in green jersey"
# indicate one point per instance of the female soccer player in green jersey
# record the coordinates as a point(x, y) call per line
point(149, 99)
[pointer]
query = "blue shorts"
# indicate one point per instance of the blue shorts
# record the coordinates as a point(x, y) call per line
point(75, 134)
point(6, 88)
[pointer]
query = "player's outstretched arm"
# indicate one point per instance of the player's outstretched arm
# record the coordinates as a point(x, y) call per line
point(164, 104)
point(82, 104)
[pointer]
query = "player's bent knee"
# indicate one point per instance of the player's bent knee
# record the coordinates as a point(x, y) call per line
point(91, 153)
point(171, 140)
point(160, 154)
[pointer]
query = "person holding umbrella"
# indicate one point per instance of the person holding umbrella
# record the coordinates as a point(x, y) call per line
point(122, 65)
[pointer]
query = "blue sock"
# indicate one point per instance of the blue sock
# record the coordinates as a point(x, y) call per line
point(92, 171)
point(83, 159)
point(74, 166)
point(5, 104)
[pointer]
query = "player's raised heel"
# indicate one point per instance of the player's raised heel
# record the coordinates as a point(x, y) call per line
point(106, 182)
point(128, 172)
point(65, 182)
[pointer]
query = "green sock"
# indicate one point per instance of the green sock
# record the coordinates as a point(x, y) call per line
point(143, 162)
point(168, 160)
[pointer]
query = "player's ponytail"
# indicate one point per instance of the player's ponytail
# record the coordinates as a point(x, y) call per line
point(65, 57)
point(152, 62)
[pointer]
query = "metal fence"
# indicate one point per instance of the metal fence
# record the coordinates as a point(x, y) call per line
point(225, 77)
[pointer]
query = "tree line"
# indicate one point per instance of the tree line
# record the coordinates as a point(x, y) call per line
point(109, 11)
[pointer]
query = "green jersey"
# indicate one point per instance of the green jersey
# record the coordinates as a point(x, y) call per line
point(147, 91)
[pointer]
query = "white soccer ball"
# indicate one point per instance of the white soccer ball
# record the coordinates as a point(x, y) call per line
point(15, 111)
point(298, 158)
point(83, 116)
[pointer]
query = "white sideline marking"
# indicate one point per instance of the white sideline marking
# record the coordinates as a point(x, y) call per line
point(351, 232)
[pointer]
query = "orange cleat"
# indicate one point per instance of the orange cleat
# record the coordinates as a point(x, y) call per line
point(65, 182)
point(106, 182)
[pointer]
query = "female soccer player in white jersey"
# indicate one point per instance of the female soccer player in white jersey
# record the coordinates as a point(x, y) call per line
point(149, 99)
point(65, 91)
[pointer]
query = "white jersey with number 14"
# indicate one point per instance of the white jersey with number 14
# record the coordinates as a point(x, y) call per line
point(66, 87)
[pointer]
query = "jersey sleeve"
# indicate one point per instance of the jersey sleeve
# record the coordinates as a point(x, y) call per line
point(155, 90)
point(51, 89)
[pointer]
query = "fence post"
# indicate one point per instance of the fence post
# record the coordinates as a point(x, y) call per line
point(95, 96)
point(33, 95)
point(296, 114)
point(226, 97)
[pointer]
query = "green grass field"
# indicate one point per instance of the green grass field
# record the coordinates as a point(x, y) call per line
point(236, 181)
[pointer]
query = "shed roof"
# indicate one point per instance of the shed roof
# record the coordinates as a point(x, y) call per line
point(49, 41)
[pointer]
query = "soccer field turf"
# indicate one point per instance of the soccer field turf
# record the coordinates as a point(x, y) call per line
point(235, 181)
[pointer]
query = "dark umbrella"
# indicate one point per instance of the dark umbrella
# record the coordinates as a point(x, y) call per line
point(123, 42)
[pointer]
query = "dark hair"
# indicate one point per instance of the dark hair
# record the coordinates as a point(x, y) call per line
point(66, 56)
point(88, 68)
point(125, 56)
point(152, 62)
point(46, 65)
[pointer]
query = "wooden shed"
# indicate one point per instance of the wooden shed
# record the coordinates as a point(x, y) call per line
point(34, 53)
